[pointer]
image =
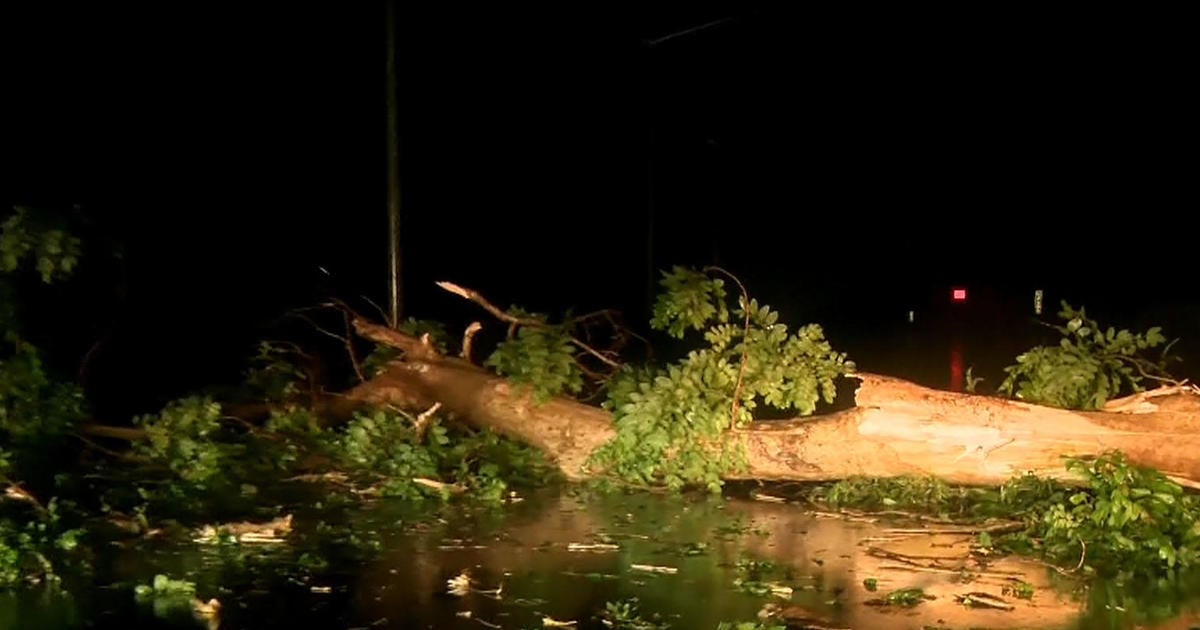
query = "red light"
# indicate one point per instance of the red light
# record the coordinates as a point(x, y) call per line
point(959, 295)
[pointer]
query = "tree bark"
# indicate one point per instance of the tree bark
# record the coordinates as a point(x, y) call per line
point(896, 427)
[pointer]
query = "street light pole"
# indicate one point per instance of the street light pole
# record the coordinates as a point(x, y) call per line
point(395, 278)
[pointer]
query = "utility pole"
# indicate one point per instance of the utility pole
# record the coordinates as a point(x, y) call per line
point(395, 277)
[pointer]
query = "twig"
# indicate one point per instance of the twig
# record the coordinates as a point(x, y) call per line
point(87, 356)
point(588, 349)
point(1082, 555)
point(1138, 365)
point(737, 389)
point(321, 330)
point(382, 314)
point(920, 568)
point(358, 371)
point(996, 528)
point(619, 327)
point(605, 313)
point(348, 315)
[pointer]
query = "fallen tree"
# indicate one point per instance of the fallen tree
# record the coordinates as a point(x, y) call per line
point(896, 427)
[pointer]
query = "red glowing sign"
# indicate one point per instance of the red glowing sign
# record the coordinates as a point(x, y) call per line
point(958, 295)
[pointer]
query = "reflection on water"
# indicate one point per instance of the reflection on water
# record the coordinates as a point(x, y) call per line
point(388, 567)
point(956, 367)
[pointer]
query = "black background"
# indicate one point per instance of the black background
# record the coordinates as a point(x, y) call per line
point(847, 165)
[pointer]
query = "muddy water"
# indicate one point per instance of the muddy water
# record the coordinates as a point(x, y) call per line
point(388, 567)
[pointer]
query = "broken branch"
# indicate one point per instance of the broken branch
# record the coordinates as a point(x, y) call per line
point(468, 337)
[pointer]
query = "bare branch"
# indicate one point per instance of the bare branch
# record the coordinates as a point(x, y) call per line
point(383, 315)
point(121, 433)
point(588, 349)
point(487, 306)
point(319, 329)
point(358, 371)
point(106, 451)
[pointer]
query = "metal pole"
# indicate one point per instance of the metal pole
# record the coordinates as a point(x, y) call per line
point(395, 279)
point(651, 285)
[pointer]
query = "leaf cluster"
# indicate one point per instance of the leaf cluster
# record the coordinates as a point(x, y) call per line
point(540, 358)
point(386, 447)
point(1089, 366)
point(1122, 520)
point(182, 438)
point(26, 234)
point(670, 422)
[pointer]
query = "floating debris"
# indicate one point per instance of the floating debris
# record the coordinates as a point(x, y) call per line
point(208, 611)
point(653, 568)
point(459, 585)
point(983, 600)
point(245, 532)
point(329, 477)
point(592, 547)
point(438, 485)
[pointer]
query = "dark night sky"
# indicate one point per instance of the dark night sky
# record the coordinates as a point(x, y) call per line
point(838, 162)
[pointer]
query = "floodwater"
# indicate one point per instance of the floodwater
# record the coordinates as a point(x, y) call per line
point(562, 554)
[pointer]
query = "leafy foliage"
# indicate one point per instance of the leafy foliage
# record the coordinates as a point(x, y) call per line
point(924, 494)
point(384, 444)
point(1123, 521)
point(1133, 520)
point(181, 438)
point(541, 358)
point(166, 595)
point(374, 363)
point(388, 448)
point(624, 615)
point(669, 428)
point(692, 302)
point(26, 234)
point(274, 374)
point(1088, 367)
point(36, 410)
point(33, 547)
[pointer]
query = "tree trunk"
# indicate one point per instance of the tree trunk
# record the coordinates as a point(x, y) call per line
point(896, 428)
